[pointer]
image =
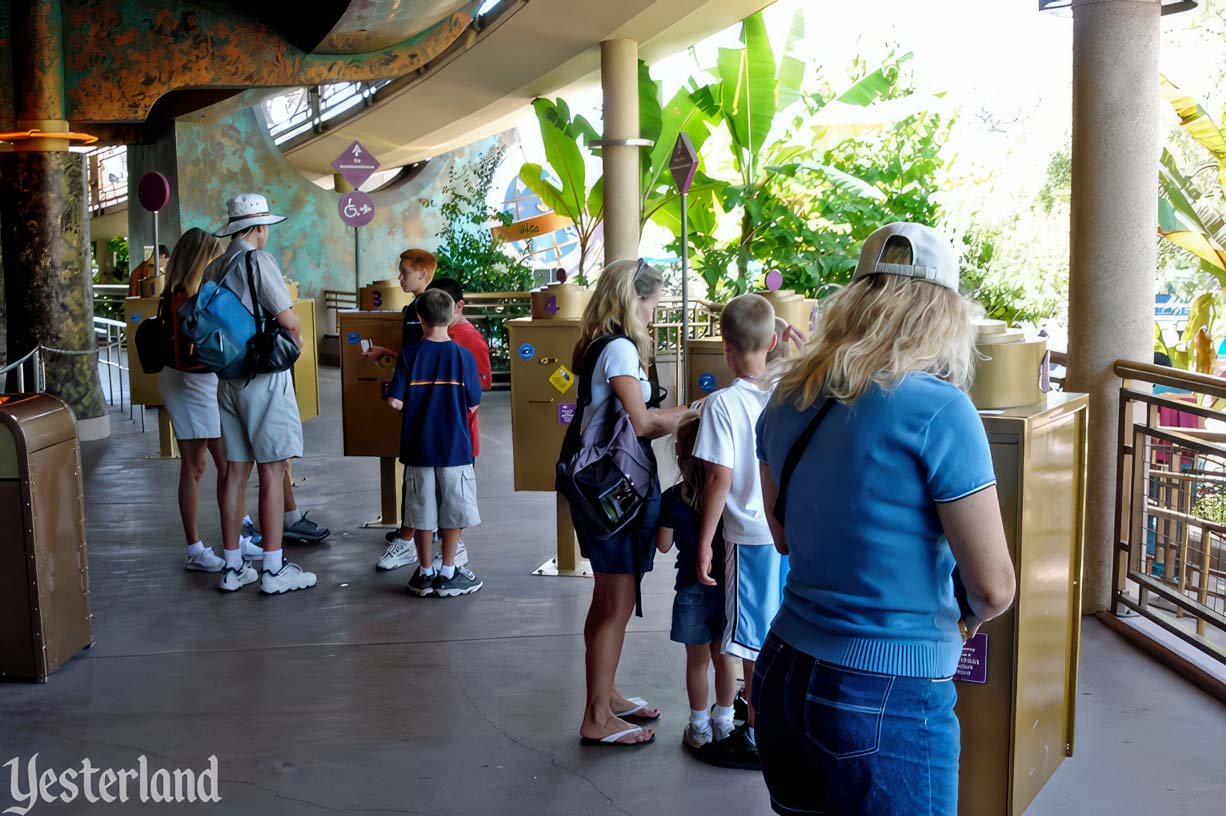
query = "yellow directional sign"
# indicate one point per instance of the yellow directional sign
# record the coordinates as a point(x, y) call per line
point(531, 227)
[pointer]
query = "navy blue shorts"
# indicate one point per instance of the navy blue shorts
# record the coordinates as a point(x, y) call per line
point(616, 555)
point(698, 615)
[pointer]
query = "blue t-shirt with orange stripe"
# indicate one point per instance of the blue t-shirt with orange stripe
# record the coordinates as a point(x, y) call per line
point(438, 384)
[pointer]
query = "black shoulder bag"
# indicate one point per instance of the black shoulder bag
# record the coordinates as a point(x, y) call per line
point(793, 459)
point(273, 347)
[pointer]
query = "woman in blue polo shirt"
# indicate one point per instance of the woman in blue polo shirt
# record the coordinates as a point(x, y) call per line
point(872, 433)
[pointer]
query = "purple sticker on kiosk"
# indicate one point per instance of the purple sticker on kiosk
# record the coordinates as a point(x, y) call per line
point(551, 305)
point(566, 413)
point(973, 664)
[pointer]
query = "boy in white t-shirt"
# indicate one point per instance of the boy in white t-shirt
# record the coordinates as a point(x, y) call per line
point(754, 570)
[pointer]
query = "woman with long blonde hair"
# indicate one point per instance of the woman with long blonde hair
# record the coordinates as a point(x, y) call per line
point(871, 432)
point(622, 308)
point(191, 399)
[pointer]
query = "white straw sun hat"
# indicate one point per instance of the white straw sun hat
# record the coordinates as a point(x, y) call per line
point(247, 210)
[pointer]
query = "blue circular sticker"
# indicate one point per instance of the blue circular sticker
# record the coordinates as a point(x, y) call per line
point(706, 382)
point(136, 317)
point(353, 338)
point(526, 351)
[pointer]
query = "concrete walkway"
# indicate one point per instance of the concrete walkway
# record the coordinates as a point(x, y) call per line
point(354, 697)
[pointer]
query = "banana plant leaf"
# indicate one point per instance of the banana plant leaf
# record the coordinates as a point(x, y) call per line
point(792, 67)
point(559, 136)
point(867, 90)
point(534, 178)
point(747, 92)
point(1198, 123)
point(1178, 221)
point(841, 180)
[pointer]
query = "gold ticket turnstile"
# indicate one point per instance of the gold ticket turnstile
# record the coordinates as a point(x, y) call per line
point(706, 370)
point(544, 391)
point(145, 390)
point(44, 572)
point(1018, 726)
point(370, 426)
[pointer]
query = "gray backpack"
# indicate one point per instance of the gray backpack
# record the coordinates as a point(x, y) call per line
point(604, 470)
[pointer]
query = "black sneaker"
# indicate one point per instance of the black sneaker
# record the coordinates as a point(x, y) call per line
point(462, 583)
point(422, 585)
point(740, 706)
point(734, 751)
point(306, 531)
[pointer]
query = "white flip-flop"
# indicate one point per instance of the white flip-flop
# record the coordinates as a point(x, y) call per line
point(615, 739)
point(639, 705)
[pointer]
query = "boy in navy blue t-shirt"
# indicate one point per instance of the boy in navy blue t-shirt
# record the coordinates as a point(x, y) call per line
point(437, 387)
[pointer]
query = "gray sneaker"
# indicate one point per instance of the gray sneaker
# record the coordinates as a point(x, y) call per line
point(290, 578)
point(400, 553)
point(249, 531)
point(462, 583)
point(461, 557)
point(422, 585)
point(306, 531)
point(233, 579)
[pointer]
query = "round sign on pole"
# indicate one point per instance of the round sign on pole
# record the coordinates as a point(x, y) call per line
point(357, 209)
point(153, 192)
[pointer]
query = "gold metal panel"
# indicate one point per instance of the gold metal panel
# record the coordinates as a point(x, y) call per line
point(705, 356)
point(1017, 728)
point(984, 710)
point(371, 427)
point(306, 370)
point(536, 428)
point(385, 295)
point(143, 387)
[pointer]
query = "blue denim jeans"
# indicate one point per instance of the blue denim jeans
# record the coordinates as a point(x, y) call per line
point(840, 741)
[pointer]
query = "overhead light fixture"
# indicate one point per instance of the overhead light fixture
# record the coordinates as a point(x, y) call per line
point(1168, 6)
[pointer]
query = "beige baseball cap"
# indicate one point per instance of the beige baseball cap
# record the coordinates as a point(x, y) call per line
point(932, 257)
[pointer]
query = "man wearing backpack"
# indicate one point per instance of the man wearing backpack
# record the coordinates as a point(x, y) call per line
point(259, 413)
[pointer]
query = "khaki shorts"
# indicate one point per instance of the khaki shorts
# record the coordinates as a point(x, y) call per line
point(443, 498)
point(259, 420)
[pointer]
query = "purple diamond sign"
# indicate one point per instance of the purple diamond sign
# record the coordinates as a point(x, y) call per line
point(973, 664)
point(683, 162)
point(357, 209)
point(356, 164)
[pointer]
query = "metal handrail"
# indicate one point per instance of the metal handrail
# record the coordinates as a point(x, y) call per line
point(1171, 377)
point(1169, 481)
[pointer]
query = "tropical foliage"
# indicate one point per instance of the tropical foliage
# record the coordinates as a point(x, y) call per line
point(467, 251)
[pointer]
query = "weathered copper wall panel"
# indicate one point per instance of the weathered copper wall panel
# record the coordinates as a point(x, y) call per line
point(122, 56)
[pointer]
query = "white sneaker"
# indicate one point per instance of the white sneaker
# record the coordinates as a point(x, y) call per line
point(205, 561)
point(399, 553)
point(234, 579)
point(461, 557)
point(251, 550)
point(696, 737)
point(290, 578)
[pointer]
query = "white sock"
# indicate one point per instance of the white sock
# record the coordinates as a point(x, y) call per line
point(426, 571)
point(195, 549)
point(234, 559)
point(292, 517)
point(247, 520)
point(273, 561)
point(750, 736)
point(722, 721)
point(700, 718)
point(448, 572)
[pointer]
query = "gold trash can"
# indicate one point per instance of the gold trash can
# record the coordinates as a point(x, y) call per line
point(44, 573)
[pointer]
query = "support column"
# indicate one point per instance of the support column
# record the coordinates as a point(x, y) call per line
point(1114, 252)
point(619, 81)
point(44, 228)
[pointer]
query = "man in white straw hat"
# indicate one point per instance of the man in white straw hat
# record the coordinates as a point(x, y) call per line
point(259, 417)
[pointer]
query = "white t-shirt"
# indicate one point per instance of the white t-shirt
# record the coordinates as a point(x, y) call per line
point(727, 436)
point(620, 358)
